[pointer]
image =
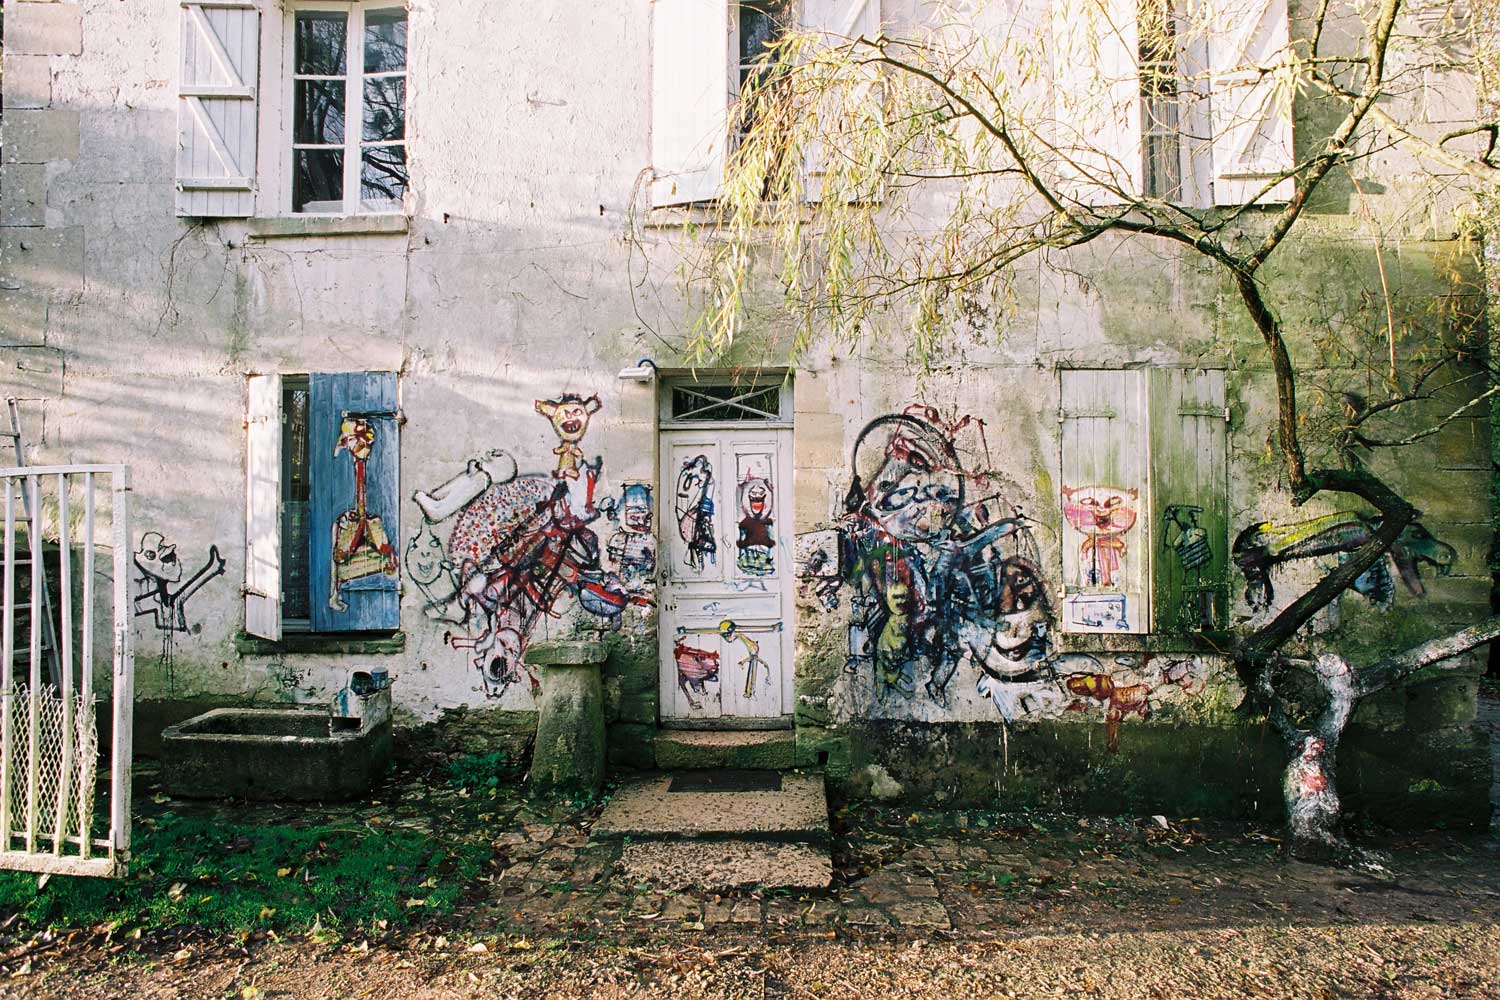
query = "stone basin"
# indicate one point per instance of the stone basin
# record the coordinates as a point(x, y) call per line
point(274, 754)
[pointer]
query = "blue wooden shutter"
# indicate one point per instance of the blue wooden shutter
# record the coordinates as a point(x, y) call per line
point(369, 592)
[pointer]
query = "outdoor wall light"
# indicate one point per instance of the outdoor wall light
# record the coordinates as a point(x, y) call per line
point(644, 371)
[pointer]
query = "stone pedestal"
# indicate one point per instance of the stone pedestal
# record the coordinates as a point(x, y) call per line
point(569, 754)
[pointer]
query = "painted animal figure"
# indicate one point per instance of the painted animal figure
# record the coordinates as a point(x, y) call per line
point(1103, 515)
point(569, 415)
point(1261, 547)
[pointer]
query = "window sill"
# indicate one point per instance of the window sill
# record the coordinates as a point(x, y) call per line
point(313, 642)
point(1146, 642)
point(280, 227)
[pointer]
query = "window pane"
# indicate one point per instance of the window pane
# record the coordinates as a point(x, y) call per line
point(385, 41)
point(296, 492)
point(318, 180)
point(726, 402)
point(382, 177)
point(321, 39)
point(319, 116)
point(760, 25)
point(385, 109)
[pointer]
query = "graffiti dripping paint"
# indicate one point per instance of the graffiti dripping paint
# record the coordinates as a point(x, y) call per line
point(520, 544)
point(360, 545)
point(163, 594)
point(1104, 515)
point(1262, 547)
point(693, 507)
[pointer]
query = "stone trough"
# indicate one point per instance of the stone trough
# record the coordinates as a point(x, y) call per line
point(278, 754)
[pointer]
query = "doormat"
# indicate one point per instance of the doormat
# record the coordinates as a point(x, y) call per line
point(728, 780)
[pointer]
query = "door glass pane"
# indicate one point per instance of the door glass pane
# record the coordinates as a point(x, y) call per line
point(317, 180)
point(296, 494)
point(697, 401)
point(319, 114)
point(385, 109)
point(385, 41)
point(320, 43)
point(382, 177)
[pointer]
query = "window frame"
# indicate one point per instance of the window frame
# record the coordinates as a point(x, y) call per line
point(751, 383)
point(1159, 412)
point(354, 77)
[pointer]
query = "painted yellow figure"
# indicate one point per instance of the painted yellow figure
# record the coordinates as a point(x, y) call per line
point(360, 545)
point(569, 415)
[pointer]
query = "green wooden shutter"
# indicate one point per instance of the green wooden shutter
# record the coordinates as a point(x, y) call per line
point(1189, 499)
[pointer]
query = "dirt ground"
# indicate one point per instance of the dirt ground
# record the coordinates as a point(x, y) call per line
point(1109, 910)
point(942, 905)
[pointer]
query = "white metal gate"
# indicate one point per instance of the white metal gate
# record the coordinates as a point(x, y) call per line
point(50, 754)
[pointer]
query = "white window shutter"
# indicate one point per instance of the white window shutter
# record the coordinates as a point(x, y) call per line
point(216, 109)
point(840, 21)
point(1252, 116)
point(1097, 96)
point(1106, 502)
point(690, 84)
point(263, 507)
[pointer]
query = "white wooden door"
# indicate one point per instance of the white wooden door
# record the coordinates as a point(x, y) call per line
point(725, 622)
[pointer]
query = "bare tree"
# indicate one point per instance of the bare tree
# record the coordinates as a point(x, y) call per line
point(845, 140)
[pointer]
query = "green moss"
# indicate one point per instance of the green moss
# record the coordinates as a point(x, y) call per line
point(239, 877)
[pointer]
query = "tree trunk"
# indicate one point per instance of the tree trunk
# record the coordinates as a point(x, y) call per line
point(1310, 787)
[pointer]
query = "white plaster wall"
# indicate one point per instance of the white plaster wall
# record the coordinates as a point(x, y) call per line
point(527, 271)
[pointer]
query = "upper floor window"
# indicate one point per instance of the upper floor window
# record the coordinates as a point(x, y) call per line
point(1169, 100)
point(348, 109)
point(703, 54)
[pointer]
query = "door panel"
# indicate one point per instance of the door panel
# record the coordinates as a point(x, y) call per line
point(725, 599)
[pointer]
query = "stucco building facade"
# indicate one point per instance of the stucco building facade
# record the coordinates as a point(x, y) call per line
point(412, 427)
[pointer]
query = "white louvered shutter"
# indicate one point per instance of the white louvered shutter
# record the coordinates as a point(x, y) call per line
point(263, 507)
point(1105, 470)
point(1097, 91)
point(1252, 116)
point(840, 21)
point(690, 83)
point(216, 109)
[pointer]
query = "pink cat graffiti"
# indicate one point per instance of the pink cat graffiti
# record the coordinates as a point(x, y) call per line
point(1103, 514)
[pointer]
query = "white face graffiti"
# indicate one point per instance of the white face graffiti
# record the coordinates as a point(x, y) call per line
point(158, 557)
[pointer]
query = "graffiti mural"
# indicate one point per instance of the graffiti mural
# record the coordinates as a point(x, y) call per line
point(1262, 547)
point(757, 540)
point(569, 415)
point(162, 593)
point(756, 669)
point(694, 509)
point(941, 572)
point(520, 547)
point(1104, 515)
point(360, 545)
point(696, 669)
point(941, 568)
point(632, 547)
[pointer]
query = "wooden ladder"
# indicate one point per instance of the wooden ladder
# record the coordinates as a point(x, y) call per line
point(23, 556)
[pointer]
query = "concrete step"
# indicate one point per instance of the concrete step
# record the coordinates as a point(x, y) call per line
point(647, 807)
point(727, 864)
point(687, 749)
point(769, 836)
